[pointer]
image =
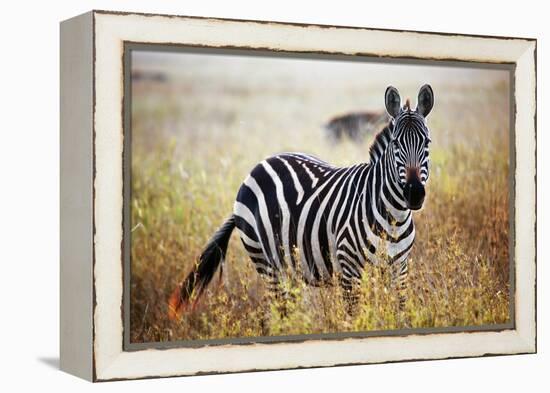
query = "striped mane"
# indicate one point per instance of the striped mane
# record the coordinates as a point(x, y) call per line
point(380, 143)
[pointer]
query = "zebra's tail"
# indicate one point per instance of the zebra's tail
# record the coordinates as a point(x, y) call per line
point(189, 290)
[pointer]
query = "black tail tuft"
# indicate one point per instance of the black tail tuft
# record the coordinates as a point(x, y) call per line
point(189, 291)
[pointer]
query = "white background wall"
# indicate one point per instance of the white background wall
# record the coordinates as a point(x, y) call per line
point(29, 197)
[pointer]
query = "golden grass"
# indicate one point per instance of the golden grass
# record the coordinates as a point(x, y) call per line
point(188, 163)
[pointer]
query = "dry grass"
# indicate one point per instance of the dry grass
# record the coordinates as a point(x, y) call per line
point(190, 156)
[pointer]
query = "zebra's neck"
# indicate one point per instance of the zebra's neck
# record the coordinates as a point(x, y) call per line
point(380, 143)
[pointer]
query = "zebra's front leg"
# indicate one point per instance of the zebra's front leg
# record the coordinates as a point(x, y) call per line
point(400, 272)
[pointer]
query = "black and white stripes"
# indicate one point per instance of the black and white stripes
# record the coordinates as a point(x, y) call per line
point(297, 213)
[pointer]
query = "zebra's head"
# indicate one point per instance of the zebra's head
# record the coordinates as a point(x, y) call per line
point(410, 138)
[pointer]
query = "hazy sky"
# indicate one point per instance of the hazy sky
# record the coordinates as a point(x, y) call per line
point(272, 70)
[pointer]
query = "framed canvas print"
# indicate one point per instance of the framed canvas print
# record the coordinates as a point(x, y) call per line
point(246, 195)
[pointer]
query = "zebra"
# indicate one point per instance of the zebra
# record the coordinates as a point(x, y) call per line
point(355, 126)
point(295, 212)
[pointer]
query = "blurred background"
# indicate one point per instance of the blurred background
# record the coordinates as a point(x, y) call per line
point(201, 121)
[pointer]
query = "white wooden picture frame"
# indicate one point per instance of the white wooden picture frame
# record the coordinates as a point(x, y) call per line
point(92, 194)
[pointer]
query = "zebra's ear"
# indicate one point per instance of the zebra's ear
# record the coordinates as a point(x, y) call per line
point(393, 101)
point(425, 100)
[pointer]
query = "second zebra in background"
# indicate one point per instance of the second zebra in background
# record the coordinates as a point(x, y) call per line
point(355, 126)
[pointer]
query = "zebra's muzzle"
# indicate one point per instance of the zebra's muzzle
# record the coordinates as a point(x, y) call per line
point(414, 193)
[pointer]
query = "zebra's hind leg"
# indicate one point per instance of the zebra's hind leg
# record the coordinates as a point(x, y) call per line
point(276, 304)
point(400, 274)
point(350, 293)
point(282, 297)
